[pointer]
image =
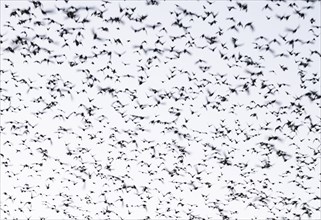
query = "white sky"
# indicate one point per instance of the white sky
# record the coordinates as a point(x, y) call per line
point(301, 144)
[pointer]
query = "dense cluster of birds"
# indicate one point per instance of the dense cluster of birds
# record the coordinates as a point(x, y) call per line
point(160, 110)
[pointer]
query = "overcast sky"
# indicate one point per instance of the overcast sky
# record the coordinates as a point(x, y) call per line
point(157, 102)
